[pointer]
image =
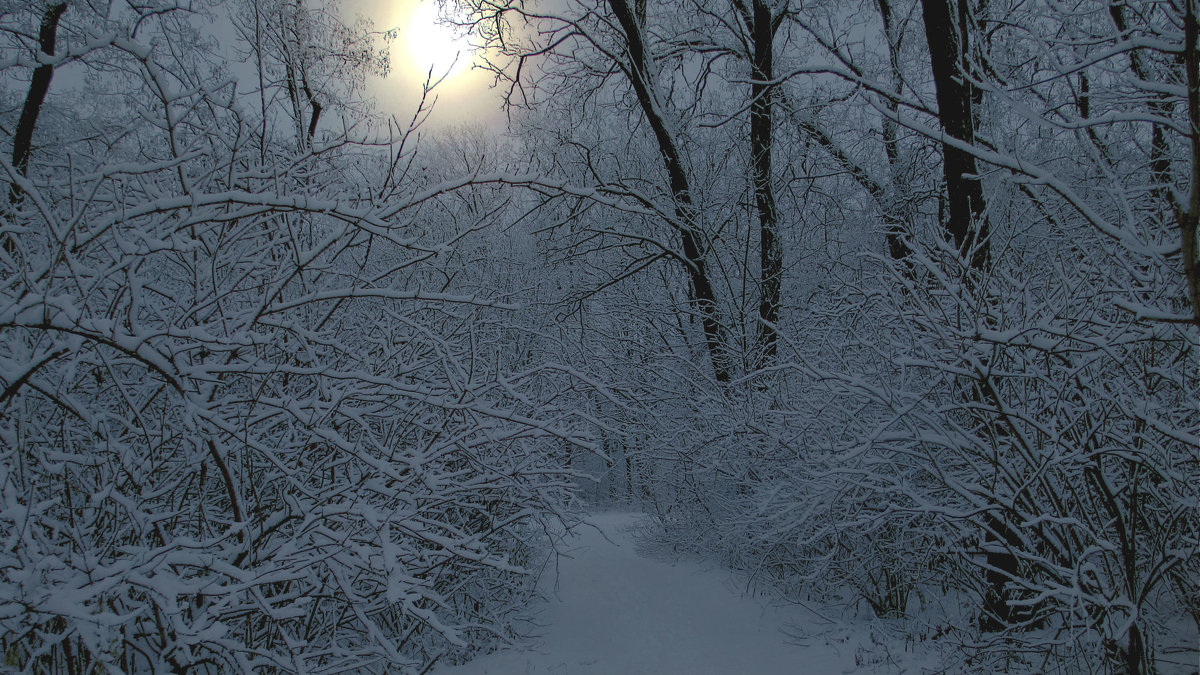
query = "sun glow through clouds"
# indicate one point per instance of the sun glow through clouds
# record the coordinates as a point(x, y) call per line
point(426, 47)
point(433, 43)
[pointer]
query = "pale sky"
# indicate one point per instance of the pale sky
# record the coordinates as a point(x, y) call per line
point(465, 96)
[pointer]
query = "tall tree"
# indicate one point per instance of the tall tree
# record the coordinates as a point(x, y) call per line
point(640, 70)
point(1188, 215)
point(948, 31)
point(39, 85)
point(761, 23)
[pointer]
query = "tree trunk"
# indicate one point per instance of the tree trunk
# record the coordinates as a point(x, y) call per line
point(701, 291)
point(38, 87)
point(947, 32)
point(1188, 215)
point(762, 27)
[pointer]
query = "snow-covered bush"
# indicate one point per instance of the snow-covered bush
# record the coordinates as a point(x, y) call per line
point(237, 433)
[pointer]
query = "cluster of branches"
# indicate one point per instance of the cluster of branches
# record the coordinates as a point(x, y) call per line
point(899, 297)
point(245, 424)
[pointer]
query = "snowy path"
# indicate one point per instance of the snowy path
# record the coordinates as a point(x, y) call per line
point(617, 613)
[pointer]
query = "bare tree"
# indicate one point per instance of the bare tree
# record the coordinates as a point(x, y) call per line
point(949, 29)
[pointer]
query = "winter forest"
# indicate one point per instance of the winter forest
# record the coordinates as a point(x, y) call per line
point(891, 307)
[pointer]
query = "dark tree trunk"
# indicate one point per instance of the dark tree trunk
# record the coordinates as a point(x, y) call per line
point(762, 27)
point(1188, 215)
point(998, 611)
point(947, 32)
point(701, 291)
point(38, 87)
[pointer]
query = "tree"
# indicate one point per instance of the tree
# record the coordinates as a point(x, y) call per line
point(39, 84)
point(761, 24)
point(307, 54)
point(948, 29)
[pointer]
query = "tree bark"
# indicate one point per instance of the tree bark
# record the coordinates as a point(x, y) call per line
point(39, 85)
point(701, 291)
point(947, 32)
point(762, 26)
point(1188, 215)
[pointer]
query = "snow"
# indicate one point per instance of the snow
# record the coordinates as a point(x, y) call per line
point(613, 611)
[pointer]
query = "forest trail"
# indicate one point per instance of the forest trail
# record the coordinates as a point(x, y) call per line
point(615, 612)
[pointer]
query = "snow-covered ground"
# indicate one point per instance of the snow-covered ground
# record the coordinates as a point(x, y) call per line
point(615, 612)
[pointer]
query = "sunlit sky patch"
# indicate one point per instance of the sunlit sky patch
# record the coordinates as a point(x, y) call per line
point(428, 48)
point(431, 44)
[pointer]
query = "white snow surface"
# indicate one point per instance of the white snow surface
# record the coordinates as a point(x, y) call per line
point(615, 612)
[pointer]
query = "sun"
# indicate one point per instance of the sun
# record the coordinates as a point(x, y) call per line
point(433, 43)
